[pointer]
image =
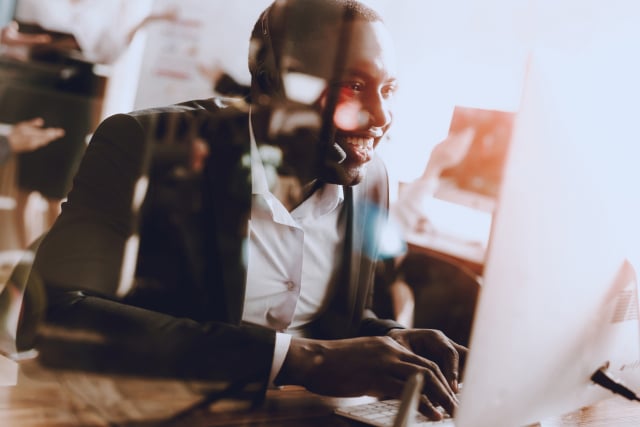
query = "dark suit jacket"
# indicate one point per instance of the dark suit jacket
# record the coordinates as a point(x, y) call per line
point(183, 316)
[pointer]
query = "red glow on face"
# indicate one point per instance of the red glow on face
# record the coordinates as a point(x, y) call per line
point(346, 116)
point(348, 109)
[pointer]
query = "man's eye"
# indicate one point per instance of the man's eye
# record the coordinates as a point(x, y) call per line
point(389, 91)
point(353, 87)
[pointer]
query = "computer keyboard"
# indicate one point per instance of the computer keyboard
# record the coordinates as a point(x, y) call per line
point(383, 413)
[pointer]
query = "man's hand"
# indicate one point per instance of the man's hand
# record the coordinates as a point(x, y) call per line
point(374, 366)
point(11, 36)
point(436, 346)
point(29, 135)
point(448, 153)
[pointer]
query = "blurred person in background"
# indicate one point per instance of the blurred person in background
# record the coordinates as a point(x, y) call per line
point(57, 43)
point(21, 137)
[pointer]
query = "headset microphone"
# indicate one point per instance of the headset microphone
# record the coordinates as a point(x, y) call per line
point(337, 154)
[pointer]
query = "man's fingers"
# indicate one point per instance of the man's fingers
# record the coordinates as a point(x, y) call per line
point(29, 135)
point(439, 392)
point(36, 121)
point(450, 363)
point(435, 394)
point(432, 366)
point(462, 356)
point(436, 346)
point(41, 137)
point(428, 409)
point(49, 135)
point(435, 385)
point(393, 387)
point(447, 354)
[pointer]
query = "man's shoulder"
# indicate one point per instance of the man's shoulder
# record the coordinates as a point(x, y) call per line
point(201, 116)
point(215, 120)
point(213, 106)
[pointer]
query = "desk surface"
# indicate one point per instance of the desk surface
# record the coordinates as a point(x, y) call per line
point(66, 398)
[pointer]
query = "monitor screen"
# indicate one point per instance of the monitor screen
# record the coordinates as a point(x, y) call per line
point(480, 171)
point(559, 298)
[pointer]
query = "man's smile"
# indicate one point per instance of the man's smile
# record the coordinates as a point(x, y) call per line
point(359, 148)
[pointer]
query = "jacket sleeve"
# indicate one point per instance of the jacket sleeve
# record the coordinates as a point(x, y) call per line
point(80, 260)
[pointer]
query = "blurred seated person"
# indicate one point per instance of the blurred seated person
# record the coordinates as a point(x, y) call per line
point(407, 211)
point(23, 137)
point(228, 282)
point(76, 32)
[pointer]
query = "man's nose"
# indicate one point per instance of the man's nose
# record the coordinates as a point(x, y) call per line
point(379, 110)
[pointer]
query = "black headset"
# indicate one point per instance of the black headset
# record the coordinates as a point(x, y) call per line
point(266, 69)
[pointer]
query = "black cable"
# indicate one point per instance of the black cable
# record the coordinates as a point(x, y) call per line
point(604, 379)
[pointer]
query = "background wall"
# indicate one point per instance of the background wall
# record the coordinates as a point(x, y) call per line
point(208, 33)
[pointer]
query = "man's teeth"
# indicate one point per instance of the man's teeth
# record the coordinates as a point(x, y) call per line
point(360, 142)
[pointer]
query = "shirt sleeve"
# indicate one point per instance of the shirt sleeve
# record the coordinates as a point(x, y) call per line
point(279, 353)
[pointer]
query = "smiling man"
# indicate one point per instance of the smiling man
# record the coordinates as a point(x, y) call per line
point(351, 53)
point(256, 268)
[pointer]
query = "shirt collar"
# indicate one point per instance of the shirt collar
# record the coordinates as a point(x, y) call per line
point(325, 199)
point(259, 184)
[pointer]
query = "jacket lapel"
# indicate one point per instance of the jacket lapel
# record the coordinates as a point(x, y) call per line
point(365, 204)
point(363, 252)
point(226, 209)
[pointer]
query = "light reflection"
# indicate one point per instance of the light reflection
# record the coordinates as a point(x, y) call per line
point(303, 88)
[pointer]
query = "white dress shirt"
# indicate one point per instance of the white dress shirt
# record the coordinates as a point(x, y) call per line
point(293, 257)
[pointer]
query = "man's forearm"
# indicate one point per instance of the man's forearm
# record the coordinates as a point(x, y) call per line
point(304, 355)
point(372, 326)
point(150, 343)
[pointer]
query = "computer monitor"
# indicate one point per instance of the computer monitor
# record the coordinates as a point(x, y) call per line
point(559, 298)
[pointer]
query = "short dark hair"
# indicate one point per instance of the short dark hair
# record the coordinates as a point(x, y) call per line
point(296, 21)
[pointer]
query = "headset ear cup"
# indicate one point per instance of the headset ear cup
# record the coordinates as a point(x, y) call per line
point(269, 83)
point(264, 81)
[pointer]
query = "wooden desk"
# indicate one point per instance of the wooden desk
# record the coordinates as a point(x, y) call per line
point(66, 398)
point(46, 398)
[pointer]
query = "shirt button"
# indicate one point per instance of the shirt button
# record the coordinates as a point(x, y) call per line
point(291, 285)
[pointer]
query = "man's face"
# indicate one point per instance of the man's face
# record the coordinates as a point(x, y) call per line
point(361, 88)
